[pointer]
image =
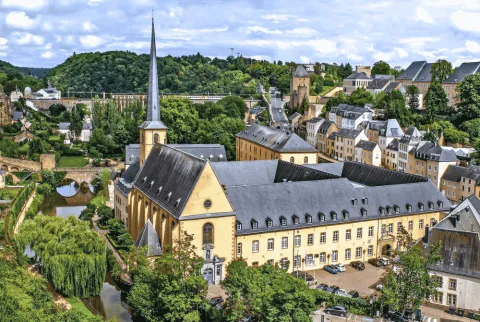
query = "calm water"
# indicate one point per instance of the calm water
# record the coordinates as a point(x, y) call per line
point(69, 199)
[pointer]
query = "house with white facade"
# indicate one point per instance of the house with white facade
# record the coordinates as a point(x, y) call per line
point(312, 129)
point(64, 128)
point(50, 93)
point(391, 130)
point(348, 116)
point(407, 142)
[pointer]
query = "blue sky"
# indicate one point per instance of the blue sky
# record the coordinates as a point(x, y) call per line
point(43, 33)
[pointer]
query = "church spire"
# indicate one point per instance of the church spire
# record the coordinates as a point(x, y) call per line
point(153, 105)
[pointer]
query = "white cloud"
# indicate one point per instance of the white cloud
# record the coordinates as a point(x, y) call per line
point(3, 54)
point(91, 41)
point(302, 20)
point(27, 39)
point(47, 55)
point(354, 57)
point(472, 46)
point(379, 5)
point(466, 21)
point(48, 46)
point(276, 17)
point(18, 19)
point(94, 2)
point(418, 42)
point(24, 4)
point(305, 59)
point(47, 26)
point(88, 26)
point(264, 30)
point(302, 32)
point(395, 53)
point(3, 41)
point(421, 14)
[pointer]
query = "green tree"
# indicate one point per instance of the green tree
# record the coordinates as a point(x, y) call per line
point(393, 104)
point(181, 118)
point(469, 97)
point(410, 283)
point(335, 101)
point(472, 127)
point(436, 101)
point(267, 293)
point(381, 68)
point(360, 97)
point(234, 106)
point(173, 290)
point(440, 71)
point(412, 96)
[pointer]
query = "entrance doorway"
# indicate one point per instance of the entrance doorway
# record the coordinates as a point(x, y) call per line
point(387, 250)
point(208, 275)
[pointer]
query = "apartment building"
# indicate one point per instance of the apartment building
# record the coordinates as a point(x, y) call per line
point(368, 152)
point(407, 142)
point(345, 142)
point(390, 131)
point(324, 131)
point(355, 81)
point(391, 159)
point(462, 71)
point(373, 130)
point(459, 183)
point(418, 74)
point(312, 130)
point(348, 116)
point(379, 83)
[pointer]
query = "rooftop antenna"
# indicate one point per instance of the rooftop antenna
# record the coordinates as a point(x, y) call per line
point(231, 51)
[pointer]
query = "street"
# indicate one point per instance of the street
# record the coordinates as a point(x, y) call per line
point(276, 109)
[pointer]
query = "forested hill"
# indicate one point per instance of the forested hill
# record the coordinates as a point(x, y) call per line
point(127, 72)
point(12, 77)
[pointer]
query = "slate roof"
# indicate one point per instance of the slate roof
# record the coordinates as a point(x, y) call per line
point(87, 126)
point(302, 198)
point(168, 177)
point(425, 74)
point(378, 83)
point(293, 116)
point(332, 136)
point(393, 145)
point(149, 237)
point(392, 86)
point(391, 129)
point(275, 139)
point(315, 120)
point(132, 153)
point(334, 168)
point(17, 115)
point(427, 150)
point(124, 183)
point(257, 110)
point(356, 75)
point(366, 145)
point(300, 71)
point(463, 71)
point(343, 109)
point(245, 172)
point(454, 173)
point(325, 126)
point(349, 133)
point(376, 125)
point(411, 136)
point(212, 152)
point(413, 70)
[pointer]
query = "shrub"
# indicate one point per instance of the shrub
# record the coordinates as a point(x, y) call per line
point(353, 305)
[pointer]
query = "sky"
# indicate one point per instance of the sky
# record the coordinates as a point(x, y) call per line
point(43, 33)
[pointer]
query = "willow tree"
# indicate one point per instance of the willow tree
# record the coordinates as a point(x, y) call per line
point(71, 253)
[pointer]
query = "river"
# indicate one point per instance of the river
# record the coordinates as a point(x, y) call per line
point(70, 199)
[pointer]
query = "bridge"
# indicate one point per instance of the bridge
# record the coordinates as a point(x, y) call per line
point(69, 103)
point(80, 175)
point(12, 164)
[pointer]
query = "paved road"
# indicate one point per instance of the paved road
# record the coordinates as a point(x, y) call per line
point(276, 110)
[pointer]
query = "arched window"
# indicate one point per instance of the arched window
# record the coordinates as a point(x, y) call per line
point(208, 234)
point(305, 160)
point(292, 159)
point(156, 138)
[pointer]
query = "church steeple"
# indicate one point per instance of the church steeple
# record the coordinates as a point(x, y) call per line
point(152, 130)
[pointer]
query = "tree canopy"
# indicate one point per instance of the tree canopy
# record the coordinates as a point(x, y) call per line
point(440, 71)
point(469, 97)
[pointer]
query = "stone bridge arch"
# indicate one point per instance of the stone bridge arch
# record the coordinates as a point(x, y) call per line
point(80, 175)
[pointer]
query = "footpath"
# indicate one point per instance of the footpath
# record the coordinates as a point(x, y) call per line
point(21, 217)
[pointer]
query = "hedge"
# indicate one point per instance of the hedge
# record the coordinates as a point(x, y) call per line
point(353, 305)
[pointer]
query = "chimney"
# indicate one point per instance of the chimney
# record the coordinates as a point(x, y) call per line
point(425, 238)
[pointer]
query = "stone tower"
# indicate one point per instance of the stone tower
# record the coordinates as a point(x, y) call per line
point(153, 130)
point(299, 87)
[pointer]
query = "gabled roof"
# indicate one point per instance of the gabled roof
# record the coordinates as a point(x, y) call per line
point(391, 129)
point(212, 152)
point(366, 145)
point(275, 139)
point(168, 177)
point(315, 120)
point(463, 71)
point(300, 71)
point(413, 70)
point(392, 86)
point(149, 237)
point(356, 75)
point(455, 173)
point(349, 133)
point(411, 136)
point(294, 115)
point(378, 83)
point(245, 172)
point(393, 145)
point(325, 126)
point(376, 125)
point(342, 109)
point(427, 150)
point(17, 115)
point(425, 74)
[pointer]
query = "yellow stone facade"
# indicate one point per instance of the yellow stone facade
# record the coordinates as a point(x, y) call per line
point(148, 138)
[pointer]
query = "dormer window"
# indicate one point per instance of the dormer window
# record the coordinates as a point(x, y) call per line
point(440, 204)
point(144, 180)
point(269, 223)
point(308, 219)
point(168, 196)
point(397, 209)
point(254, 224)
point(381, 210)
point(295, 220)
point(389, 210)
point(430, 205)
point(365, 201)
point(239, 225)
point(346, 214)
point(354, 201)
point(409, 207)
point(151, 183)
point(420, 206)
point(177, 202)
point(321, 216)
point(363, 211)
point(159, 190)
point(283, 221)
point(334, 215)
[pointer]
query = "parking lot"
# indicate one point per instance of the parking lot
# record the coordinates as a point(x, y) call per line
point(363, 282)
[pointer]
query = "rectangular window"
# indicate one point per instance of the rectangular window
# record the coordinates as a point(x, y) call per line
point(348, 234)
point(399, 227)
point(420, 224)
point(370, 231)
point(239, 249)
point(255, 246)
point(284, 242)
point(347, 253)
point(359, 233)
point(452, 284)
point(335, 256)
point(323, 238)
point(270, 244)
point(322, 257)
point(437, 297)
point(390, 228)
point(452, 300)
point(358, 252)
point(310, 239)
point(335, 236)
point(296, 261)
point(410, 225)
point(370, 250)
point(309, 260)
point(298, 240)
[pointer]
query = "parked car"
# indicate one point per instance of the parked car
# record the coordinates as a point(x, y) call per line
point(343, 293)
point(216, 301)
point(341, 267)
point(322, 287)
point(358, 265)
point(375, 262)
point(334, 288)
point(306, 277)
point(337, 310)
point(384, 261)
point(331, 269)
point(354, 294)
point(396, 317)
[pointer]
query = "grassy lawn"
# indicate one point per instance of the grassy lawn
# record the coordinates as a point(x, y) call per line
point(326, 89)
point(72, 162)
point(77, 304)
point(54, 138)
point(99, 199)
